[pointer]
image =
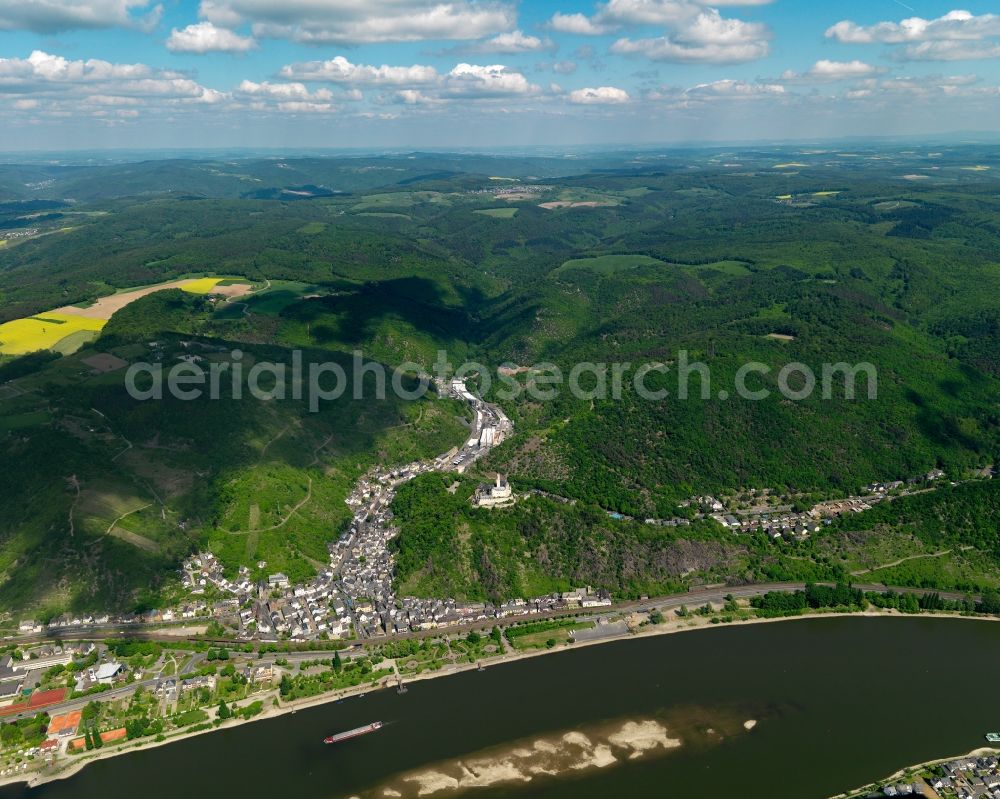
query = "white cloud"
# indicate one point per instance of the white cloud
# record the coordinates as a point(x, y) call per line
point(826, 71)
point(418, 85)
point(601, 95)
point(56, 86)
point(927, 89)
point(53, 16)
point(719, 92)
point(112, 100)
point(282, 91)
point(286, 98)
point(473, 80)
point(340, 21)
point(710, 27)
point(578, 24)
point(615, 14)
point(708, 37)
point(218, 12)
point(735, 89)
point(955, 25)
point(415, 97)
point(512, 43)
point(956, 36)
point(948, 51)
point(205, 37)
point(838, 70)
point(300, 107)
point(42, 69)
point(340, 70)
point(646, 12)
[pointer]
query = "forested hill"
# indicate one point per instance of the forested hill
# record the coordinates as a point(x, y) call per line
point(771, 255)
point(83, 180)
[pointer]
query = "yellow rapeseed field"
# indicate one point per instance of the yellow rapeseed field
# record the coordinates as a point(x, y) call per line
point(43, 332)
point(70, 324)
point(201, 285)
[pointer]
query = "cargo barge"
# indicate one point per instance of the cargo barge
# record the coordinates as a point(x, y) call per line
point(344, 736)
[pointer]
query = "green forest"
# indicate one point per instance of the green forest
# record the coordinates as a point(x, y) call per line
point(399, 263)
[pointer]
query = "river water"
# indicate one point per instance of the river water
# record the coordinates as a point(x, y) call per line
point(831, 704)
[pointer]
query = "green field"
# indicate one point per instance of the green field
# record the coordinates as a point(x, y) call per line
point(580, 194)
point(20, 421)
point(609, 264)
point(732, 268)
point(497, 213)
point(547, 635)
point(270, 301)
point(384, 215)
point(399, 199)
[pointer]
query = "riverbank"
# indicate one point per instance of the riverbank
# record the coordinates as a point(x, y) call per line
point(903, 773)
point(70, 765)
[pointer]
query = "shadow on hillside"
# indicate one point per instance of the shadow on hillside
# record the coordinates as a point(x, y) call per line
point(353, 318)
point(213, 440)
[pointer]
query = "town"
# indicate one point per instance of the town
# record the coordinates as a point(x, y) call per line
point(976, 776)
point(11, 235)
point(354, 596)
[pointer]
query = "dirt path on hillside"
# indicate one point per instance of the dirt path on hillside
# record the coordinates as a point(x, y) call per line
point(940, 554)
point(105, 307)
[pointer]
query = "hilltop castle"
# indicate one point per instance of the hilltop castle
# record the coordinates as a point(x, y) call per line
point(494, 496)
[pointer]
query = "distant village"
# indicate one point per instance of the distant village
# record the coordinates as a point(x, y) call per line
point(782, 522)
point(19, 234)
point(513, 188)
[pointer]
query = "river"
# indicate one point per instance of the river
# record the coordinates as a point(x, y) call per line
point(837, 703)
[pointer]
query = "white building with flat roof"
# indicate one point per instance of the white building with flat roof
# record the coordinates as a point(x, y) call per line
point(106, 672)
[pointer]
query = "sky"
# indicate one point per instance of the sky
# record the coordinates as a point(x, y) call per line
point(482, 74)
